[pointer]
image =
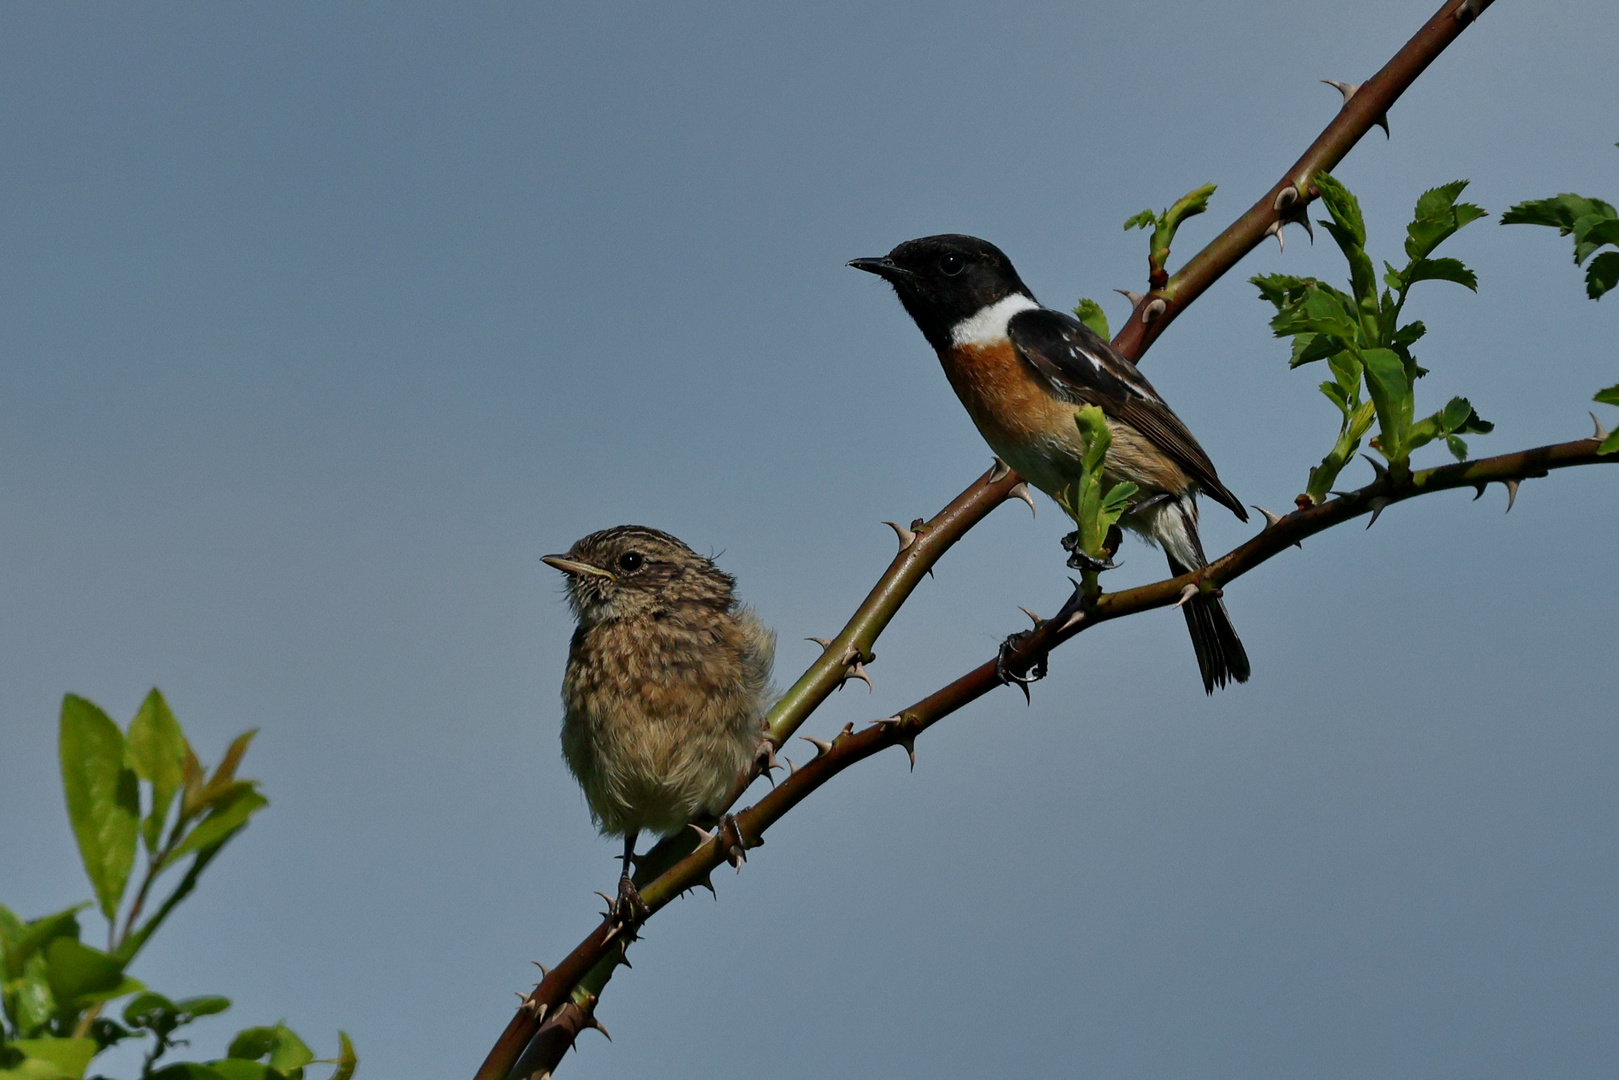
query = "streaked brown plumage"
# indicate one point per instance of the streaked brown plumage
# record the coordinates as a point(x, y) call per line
point(667, 682)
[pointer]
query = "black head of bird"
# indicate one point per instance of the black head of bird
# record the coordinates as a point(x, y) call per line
point(946, 279)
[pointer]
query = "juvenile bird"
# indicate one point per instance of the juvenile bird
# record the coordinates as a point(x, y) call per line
point(1022, 370)
point(667, 684)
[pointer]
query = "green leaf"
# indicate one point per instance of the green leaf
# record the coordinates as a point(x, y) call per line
point(1440, 270)
point(103, 800)
point(157, 752)
point(1592, 222)
point(347, 1060)
point(291, 1054)
point(1610, 396)
point(1593, 231)
point(1555, 213)
point(23, 940)
point(152, 1011)
point(226, 773)
point(1282, 289)
point(108, 1032)
point(1436, 218)
point(1344, 208)
point(81, 976)
point(1458, 447)
point(1308, 348)
point(189, 1070)
point(1144, 220)
point(1602, 274)
point(1408, 335)
point(28, 998)
point(1391, 393)
point(224, 818)
point(206, 1005)
point(253, 1043)
point(1090, 313)
point(50, 1059)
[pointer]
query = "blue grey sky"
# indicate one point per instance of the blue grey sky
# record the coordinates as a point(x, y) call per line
point(322, 323)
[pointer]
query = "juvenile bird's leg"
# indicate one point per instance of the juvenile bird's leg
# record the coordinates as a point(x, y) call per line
point(732, 843)
point(629, 907)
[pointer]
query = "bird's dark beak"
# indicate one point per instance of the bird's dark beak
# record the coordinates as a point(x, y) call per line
point(575, 568)
point(883, 268)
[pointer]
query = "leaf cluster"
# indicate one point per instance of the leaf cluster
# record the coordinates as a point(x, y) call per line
point(1360, 335)
point(1095, 505)
point(1592, 223)
point(143, 788)
point(1164, 226)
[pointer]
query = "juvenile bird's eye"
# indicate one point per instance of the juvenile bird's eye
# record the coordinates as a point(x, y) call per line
point(952, 264)
point(631, 561)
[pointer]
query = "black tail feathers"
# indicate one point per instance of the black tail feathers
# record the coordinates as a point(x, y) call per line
point(1220, 655)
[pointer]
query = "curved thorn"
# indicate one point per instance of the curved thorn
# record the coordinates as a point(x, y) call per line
point(1348, 90)
point(1275, 229)
point(1032, 616)
point(1154, 309)
point(1023, 686)
point(1188, 591)
point(1512, 493)
point(1133, 297)
point(792, 766)
point(603, 895)
point(998, 471)
point(1022, 492)
point(1285, 198)
point(543, 969)
point(857, 670)
point(821, 745)
point(1378, 504)
point(703, 835)
point(1601, 432)
point(597, 1024)
point(906, 536)
point(824, 643)
point(1344, 88)
point(1271, 520)
point(910, 750)
point(1377, 467)
point(1479, 491)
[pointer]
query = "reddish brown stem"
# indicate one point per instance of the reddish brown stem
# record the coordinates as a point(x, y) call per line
point(1359, 114)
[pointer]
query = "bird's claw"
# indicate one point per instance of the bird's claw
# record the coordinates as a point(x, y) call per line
point(732, 844)
point(629, 909)
point(1037, 670)
point(1080, 559)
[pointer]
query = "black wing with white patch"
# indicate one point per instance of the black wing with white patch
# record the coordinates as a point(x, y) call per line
point(1082, 367)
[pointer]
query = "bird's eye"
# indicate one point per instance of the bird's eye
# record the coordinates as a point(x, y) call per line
point(952, 264)
point(631, 561)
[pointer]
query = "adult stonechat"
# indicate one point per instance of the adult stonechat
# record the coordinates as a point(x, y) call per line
point(1023, 369)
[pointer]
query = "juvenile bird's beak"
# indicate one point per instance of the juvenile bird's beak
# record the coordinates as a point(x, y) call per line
point(883, 268)
point(575, 568)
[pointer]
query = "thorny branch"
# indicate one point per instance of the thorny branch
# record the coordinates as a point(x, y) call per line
point(1285, 203)
point(1081, 613)
point(562, 1004)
